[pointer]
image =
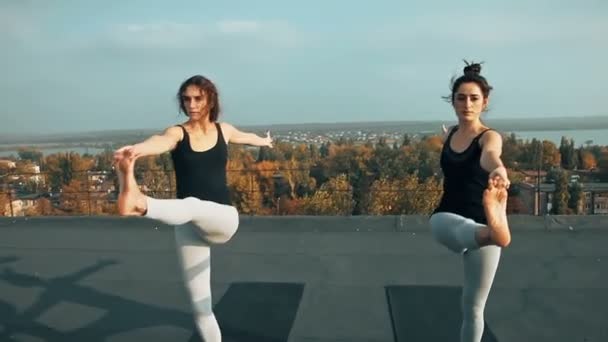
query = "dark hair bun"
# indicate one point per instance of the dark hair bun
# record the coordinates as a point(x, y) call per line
point(473, 69)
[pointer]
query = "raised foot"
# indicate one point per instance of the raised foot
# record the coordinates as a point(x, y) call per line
point(495, 206)
point(131, 202)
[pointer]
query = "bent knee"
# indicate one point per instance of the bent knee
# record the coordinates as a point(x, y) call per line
point(218, 239)
point(229, 229)
point(505, 242)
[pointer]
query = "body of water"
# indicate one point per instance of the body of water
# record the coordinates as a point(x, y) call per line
point(596, 136)
point(51, 150)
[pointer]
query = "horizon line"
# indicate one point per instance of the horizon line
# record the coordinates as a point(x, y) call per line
point(269, 125)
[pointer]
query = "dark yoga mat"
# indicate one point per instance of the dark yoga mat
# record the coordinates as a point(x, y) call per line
point(427, 314)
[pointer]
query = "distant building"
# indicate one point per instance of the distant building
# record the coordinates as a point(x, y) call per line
point(97, 181)
point(36, 178)
point(596, 204)
point(530, 176)
point(539, 201)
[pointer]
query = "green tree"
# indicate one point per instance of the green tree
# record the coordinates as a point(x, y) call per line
point(602, 163)
point(568, 154)
point(324, 150)
point(382, 143)
point(561, 196)
point(407, 140)
point(30, 153)
point(575, 202)
point(511, 151)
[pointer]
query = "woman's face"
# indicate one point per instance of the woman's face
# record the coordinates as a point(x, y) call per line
point(469, 102)
point(195, 102)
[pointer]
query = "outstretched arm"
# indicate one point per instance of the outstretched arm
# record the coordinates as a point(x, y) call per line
point(490, 157)
point(154, 145)
point(234, 136)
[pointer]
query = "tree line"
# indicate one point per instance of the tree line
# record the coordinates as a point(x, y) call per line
point(339, 177)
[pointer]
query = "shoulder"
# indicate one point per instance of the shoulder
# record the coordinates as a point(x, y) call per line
point(225, 126)
point(490, 137)
point(228, 129)
point(175, 132)
point(491, 134)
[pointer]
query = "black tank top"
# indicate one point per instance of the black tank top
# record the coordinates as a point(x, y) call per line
point(464, 180)
point(201, 174)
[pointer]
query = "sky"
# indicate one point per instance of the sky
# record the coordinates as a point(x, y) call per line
point(74, 66)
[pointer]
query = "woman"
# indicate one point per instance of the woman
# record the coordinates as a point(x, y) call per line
point(202, 212)
point(471, 217)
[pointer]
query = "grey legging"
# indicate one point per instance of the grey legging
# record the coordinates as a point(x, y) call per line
point(457, 233)
point(198, 224)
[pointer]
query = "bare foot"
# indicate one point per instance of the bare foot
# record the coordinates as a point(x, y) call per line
point(495, 207)
point(131, 202)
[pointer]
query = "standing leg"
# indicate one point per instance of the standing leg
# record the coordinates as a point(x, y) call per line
point(194, 256)
point(481, 249)
point(479, 269)
point(193, 240)
point(480, 264)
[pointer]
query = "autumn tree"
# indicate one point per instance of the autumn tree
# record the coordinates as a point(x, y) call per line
point(153, 179)
point(335, 197)
point(384, 197)
point(409, 195)
point(4, 203)
point(74, 197)
point(297, 175)
point(245, 193)
point(63, 167)
point(586, 159)
point(550, 155)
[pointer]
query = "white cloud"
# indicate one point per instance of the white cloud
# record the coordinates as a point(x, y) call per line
point(224, 33)
point(157, 35)
point(238, 26)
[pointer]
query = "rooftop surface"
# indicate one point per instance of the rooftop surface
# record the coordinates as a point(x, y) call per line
point(303, 279)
